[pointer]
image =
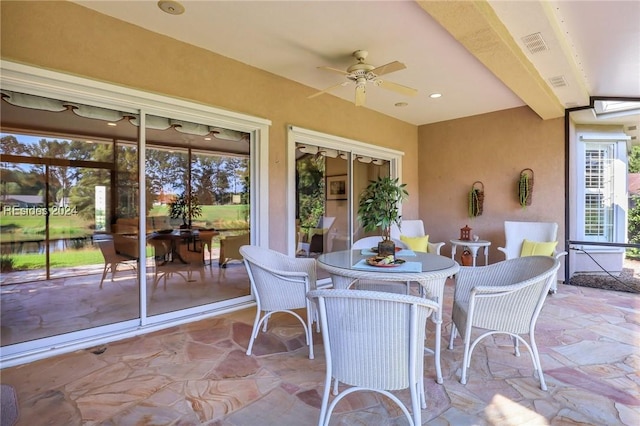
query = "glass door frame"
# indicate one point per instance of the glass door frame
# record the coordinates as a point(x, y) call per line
point(50, 84)
point(323, 140)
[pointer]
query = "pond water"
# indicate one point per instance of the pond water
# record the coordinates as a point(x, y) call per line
point(35, 246)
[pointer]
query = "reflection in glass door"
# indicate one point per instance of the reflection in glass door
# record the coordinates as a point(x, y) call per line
point(22, 222)
point(322, 200)
point(365, 170)
point(197, 218)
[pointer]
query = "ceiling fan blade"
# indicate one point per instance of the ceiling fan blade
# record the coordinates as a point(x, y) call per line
point(388, 68)
point(396, 87)
point(334, 70)
point(360, 94)
point(328, 89)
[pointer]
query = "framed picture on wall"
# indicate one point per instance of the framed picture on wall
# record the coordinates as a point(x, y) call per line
point(336, 187)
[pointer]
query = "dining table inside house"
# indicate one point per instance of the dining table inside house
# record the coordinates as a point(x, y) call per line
point(175, 237)
point(429, 270)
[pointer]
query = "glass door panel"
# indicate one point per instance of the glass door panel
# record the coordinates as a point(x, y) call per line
point(365, 169)
point(322, 191)
point(22, 224)
point(197, 218)
point(64, 181)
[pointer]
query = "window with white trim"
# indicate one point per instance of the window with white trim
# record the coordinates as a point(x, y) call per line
point(598, 192)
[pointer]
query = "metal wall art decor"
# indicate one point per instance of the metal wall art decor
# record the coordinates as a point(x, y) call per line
point(525, 187)
point(476, 199)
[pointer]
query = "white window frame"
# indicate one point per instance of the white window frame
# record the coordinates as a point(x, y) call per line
point(615, 185)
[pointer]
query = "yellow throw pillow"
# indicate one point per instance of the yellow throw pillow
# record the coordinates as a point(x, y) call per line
point(536, 248)
point(416, 243)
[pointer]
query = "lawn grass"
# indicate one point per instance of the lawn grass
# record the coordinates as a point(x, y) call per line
point(57, 259)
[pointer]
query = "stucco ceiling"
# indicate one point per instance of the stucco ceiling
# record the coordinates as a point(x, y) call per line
point(473, 53)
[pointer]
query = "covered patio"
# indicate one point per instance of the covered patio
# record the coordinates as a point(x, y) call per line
point(198, 373)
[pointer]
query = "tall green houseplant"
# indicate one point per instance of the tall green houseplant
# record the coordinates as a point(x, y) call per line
point(379, 205)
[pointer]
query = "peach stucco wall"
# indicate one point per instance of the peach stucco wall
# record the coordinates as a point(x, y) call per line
point(491, 148)
point(69, 38)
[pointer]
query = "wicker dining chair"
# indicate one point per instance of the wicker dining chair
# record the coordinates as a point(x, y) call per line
point(112, 260)
point(280, 284)
point(373, 341)
point(502, 298)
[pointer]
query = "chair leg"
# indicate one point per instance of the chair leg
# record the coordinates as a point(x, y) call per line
point(104, 273)
point(452, 337)
point(536, 361)
point(309, 329)
point(465, 359)
point(254, 331)
point(415, 405)
point(437, 348)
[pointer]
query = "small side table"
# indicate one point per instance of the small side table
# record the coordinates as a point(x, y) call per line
point(473, 246)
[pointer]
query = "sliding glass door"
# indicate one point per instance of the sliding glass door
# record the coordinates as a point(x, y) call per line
point(330, 173)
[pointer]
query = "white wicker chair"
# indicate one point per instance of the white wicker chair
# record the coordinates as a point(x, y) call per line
point(391, 287)
point(505, 297)
point(414, 228)
point(280, 284)
point(373, 341)
point(516, 232)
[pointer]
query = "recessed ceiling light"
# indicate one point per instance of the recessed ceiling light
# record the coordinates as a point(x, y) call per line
point(435, 95)
point(401, 104)
point(111, 124)
point(171, 7)
point(207, 139)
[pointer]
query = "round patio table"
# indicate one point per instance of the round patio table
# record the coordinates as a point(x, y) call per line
point(174, 238)
point(429, 270)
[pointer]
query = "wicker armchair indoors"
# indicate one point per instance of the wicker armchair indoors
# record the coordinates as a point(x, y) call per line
point(280, 284)
point(112, 260)
point(502, 298)
point(230, 248)
point(373, 341)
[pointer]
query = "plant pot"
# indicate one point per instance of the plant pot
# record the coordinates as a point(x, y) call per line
point(386, 248)
point(466, 258)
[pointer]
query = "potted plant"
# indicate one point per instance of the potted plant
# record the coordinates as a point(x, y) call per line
point(379, 208)
point(185, 207)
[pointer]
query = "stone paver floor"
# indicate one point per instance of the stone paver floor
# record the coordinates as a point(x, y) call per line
point(198, 373)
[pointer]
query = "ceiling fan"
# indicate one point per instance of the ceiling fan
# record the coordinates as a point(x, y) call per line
point(362, 73)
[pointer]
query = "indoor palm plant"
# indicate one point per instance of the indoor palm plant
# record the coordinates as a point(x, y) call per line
point(379, 207)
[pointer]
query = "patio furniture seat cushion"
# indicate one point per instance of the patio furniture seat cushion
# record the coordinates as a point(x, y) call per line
point(420, 243)
point(537, 248)
point(414, 228)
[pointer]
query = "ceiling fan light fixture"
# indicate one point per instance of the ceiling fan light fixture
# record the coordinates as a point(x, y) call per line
point(362, 73)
